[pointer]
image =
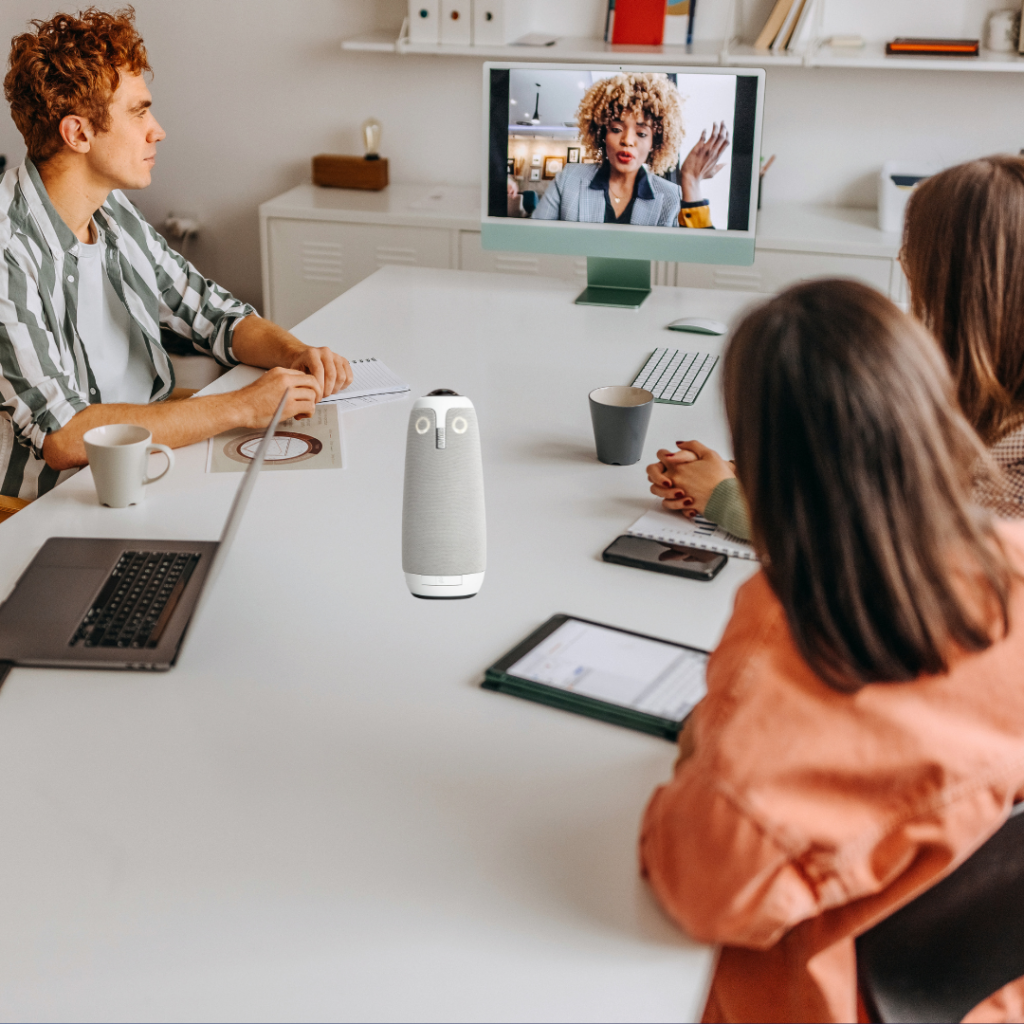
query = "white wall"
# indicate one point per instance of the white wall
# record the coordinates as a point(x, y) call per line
point(249, 90)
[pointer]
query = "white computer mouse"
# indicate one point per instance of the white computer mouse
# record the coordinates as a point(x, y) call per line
point(698, 325)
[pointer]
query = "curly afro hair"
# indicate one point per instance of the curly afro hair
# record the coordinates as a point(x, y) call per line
point(646, 95)
point(69, 65)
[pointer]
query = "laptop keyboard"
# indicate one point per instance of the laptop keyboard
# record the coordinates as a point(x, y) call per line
point(674, 377)
point(137, 600)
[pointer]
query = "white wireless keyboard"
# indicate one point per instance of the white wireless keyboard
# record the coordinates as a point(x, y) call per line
point(674, 377)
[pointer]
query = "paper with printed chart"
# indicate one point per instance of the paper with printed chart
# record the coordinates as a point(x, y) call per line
point(297, 444)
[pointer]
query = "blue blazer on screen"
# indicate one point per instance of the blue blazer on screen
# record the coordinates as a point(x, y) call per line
point(570, 197)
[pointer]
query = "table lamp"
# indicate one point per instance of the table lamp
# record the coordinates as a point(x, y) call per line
point(369, 171)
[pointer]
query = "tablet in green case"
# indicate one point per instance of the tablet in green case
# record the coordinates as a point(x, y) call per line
point(604, 672)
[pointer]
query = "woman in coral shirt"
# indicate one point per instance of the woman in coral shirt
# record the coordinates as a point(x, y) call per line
point(863, 731)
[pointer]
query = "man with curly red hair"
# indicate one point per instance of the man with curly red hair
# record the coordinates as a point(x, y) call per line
point(87, 285)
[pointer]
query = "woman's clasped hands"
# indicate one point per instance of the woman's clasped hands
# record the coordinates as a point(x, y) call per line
point(686, 479)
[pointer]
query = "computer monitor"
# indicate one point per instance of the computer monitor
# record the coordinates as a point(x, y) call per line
point(607, 161)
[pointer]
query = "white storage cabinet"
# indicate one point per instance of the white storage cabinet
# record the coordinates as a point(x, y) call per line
point(319, 242)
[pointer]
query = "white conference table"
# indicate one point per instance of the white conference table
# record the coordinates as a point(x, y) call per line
point(318, 814)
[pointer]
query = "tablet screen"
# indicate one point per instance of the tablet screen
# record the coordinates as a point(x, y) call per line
point(618, 668)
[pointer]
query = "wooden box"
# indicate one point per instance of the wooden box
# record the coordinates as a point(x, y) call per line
point(350, 172)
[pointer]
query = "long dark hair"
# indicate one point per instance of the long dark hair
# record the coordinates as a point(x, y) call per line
point(858, 468)
point(963, 254)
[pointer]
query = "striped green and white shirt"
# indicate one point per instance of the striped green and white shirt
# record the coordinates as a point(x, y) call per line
point(45, 377)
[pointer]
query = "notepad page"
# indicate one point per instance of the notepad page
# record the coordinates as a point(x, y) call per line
point(701, 533)
point(369, 377)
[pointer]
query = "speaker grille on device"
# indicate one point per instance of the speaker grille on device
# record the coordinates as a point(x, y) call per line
point(444, 530)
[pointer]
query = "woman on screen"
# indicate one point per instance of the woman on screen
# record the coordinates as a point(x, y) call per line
point(864, 718)
point(633, 124)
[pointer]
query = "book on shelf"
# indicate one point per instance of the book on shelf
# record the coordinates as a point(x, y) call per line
point(804, 26)
point(932, 47)
point(638, 23)
point(773, 25)
point(789, 26)
point(677, 19)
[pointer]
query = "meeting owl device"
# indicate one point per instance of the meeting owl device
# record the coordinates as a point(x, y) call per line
point(444, 530)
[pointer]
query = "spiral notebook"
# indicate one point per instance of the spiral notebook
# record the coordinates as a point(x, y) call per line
point(371, 381)
point(675, 528)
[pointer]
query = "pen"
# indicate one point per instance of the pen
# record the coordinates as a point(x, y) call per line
point(689, 23)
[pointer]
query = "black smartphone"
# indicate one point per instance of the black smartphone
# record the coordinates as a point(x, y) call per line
point(673, 559)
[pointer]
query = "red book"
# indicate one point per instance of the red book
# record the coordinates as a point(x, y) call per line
point(639, 23)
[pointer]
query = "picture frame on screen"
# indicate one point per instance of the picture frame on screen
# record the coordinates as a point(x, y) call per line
point(552, 165)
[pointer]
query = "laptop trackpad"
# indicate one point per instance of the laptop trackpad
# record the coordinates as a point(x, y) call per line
point(49, 595)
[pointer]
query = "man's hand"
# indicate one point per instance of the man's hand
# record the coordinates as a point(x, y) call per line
point(259, 342)
point(309, 373)
point(195, 419)
point(332, 372)
point(261, 398)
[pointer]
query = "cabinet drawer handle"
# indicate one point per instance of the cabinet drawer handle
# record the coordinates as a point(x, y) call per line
point(392, 254)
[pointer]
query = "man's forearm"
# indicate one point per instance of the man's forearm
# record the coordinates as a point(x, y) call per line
point(175, 424)
point(259, 342)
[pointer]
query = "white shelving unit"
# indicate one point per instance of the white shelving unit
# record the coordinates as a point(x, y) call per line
point(873, 55)
point(875, 20)
point(567, 49)
point(737, 54)
point(372, 42)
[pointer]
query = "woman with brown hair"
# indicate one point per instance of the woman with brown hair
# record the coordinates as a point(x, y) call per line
point(963, 255)
point(863, 731)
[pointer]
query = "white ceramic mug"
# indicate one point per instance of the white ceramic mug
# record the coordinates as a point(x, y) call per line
point(119, 456)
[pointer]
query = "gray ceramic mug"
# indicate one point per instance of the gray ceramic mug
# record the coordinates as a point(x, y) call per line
point(621, 416)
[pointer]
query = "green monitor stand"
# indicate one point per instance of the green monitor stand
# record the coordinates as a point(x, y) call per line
point(610, 282)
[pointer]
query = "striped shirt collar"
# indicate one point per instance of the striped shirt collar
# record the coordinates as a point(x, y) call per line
point(59, 237)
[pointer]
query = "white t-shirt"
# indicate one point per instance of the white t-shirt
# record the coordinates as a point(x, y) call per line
point(123, 372)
